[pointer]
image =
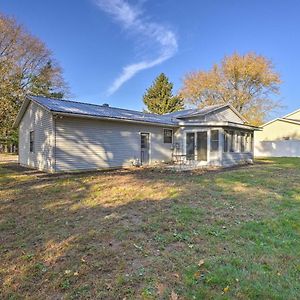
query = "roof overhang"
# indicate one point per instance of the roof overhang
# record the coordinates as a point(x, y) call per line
point(74, 115)
point(281, 120)
point(220, 124)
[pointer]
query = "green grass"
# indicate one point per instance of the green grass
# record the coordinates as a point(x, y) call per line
point(145, 234)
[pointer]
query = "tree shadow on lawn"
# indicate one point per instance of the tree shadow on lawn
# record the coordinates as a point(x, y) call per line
point(141, 235)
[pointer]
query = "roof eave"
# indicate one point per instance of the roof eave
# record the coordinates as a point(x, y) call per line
point(215, 109)
point(23, 109)
point(113, 119)
point(219, 124)
point(21, 112)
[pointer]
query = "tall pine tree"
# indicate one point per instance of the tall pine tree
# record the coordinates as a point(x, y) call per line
point(159, 98)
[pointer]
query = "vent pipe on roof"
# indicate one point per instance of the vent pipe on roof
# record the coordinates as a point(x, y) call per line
point(105, 104)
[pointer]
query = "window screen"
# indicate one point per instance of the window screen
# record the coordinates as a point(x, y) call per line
point(214, 140)
point(231, 141)
point(242, 142)
point(225, 141)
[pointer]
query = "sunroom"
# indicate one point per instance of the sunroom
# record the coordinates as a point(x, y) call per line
point(213, 146)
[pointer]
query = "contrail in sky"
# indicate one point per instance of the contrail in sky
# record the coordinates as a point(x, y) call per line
point(131, 19)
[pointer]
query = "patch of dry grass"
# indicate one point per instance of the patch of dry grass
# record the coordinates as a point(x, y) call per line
point(139, 234)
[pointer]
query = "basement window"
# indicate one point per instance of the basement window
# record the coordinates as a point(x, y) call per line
point(168, 136)
point(31, 141)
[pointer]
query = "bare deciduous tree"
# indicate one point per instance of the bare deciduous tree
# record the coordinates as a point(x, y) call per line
point(26, 66)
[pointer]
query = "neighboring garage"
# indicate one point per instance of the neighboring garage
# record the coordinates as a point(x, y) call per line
point(279, 137)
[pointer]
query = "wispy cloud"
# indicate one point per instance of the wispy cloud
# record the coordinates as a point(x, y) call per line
point(132, 19)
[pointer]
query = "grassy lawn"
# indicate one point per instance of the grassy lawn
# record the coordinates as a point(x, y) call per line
point(150, 234)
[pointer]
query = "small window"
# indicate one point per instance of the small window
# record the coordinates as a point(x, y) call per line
point(168, 136)
point(242, 142)
point(214, 140)
point(31, 141)
point(225, 141)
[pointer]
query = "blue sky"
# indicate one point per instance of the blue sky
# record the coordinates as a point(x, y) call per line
point(94, 40)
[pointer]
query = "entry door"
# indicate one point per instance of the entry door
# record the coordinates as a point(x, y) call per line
point(202, 146)
point(190, 145)
point(145, 148)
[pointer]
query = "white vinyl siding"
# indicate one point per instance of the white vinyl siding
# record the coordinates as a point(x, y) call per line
point(40, 122)
point(83, 144)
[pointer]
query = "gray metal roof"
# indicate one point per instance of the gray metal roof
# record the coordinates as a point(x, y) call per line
point(73, 108)
point(185, 113)
point(80, 108)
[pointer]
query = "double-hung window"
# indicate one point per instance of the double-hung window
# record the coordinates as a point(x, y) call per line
point(168, 136)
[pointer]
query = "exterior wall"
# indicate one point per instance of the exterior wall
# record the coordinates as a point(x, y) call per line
point(83, 144)
point(278, 139)
point(40, 121)
point(278, 130)
point(235, 158)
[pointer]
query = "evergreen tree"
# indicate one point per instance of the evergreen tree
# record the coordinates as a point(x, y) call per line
point(159, 98)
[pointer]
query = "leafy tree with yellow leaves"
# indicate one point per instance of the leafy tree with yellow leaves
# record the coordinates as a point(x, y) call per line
point(247, 82)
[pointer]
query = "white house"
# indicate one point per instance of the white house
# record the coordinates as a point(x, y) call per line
point(61, 135)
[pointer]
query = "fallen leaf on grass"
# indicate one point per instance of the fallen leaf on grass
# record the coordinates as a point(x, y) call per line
point(138, 247)
point(108, 286)
point(174, 296)
point(201, 262)
point(197, 275)
point(161, 288)
point(226, 289)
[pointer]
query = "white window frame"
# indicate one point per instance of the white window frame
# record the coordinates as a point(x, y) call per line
point(172, 136)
